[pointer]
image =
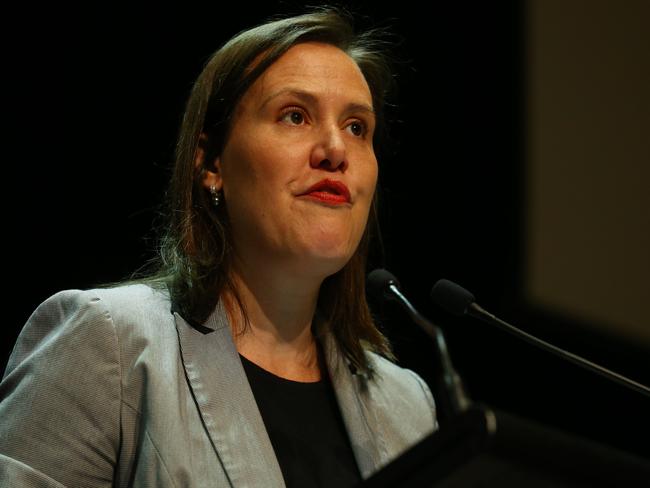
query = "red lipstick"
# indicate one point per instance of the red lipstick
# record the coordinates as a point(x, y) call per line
point(329, 191)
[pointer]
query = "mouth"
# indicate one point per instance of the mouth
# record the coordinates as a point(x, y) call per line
point(329, 191)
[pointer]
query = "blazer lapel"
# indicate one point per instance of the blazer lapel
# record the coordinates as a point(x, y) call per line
point(352, 395)
point(226, 402)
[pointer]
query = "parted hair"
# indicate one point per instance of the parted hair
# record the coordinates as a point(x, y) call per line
point(196, 249)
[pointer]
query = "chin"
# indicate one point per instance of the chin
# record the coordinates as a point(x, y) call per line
point(325, 269)
point(328, 261)
point(326, 252)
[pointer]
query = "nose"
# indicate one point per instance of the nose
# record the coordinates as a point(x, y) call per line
point(329, 152)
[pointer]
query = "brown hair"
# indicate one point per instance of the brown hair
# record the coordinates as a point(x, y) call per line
point(196, 249)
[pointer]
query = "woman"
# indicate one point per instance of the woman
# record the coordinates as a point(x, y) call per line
point(250, 357)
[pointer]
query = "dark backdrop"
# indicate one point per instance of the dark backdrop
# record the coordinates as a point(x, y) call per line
point(96, 97)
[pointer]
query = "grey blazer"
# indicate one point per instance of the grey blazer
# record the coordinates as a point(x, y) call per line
point(110, 388)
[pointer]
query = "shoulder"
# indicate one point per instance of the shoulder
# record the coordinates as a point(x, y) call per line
point(138, 302)
point(397, 404)
point(121, 304)
point(120, 333)
point(402, 390)
point(387, 374)
point(127, 298)
point(90, 315)
point(73, 362)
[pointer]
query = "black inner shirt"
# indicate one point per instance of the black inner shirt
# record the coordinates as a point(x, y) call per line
point(306, 430)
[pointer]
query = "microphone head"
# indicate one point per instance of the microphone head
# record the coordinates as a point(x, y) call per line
point(378, 282)
point(452, 297)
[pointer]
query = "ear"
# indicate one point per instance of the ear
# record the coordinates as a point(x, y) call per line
point(210, 170)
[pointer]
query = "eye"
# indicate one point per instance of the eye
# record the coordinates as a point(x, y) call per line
point(293, 116)
point(357, 128)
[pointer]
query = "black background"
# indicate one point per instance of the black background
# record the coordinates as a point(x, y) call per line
point(95, 98)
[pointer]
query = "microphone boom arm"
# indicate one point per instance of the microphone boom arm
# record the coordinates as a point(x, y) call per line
point(478, 312)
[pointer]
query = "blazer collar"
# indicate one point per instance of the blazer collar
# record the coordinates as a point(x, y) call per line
point(230, 414)
point(226, 402)
point(351, 389)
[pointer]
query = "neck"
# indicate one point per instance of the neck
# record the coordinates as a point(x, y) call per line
point(280, 309)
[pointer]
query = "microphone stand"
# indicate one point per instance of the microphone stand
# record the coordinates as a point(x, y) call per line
point(458, 399)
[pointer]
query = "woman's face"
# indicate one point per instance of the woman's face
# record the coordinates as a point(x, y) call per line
point(298, 171)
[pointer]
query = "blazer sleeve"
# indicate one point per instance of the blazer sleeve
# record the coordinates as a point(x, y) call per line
point(60, 397)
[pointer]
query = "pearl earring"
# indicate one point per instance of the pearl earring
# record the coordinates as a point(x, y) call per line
point(216, 198)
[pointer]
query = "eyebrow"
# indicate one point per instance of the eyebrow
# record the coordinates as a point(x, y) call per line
point(313, 99)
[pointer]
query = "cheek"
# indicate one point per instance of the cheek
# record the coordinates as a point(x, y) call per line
point(246, 169)
point(368, 181)
point(369, 186)
point(255, 188)
point(366, 193)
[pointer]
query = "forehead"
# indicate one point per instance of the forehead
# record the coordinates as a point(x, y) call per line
point(317, 67)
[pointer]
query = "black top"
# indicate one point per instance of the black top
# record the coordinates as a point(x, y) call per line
point(305, 428)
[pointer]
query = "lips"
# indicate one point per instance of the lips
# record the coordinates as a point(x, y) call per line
point(329, 191)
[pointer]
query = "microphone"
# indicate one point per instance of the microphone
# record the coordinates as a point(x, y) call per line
point(382, 283)
point(458, 301)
